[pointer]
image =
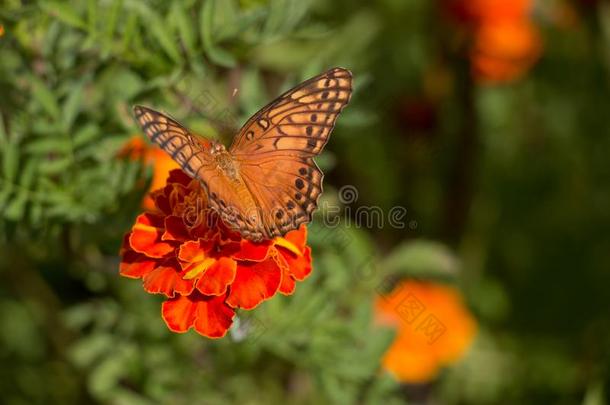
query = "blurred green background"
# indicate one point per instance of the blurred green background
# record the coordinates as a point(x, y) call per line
point(506, 186)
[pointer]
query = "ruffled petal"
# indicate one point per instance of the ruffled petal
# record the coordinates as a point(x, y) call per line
point(254, 282)
point(217, 277)
point(166, 280)
point(160, 201)
point(210, 316)
point(175, 229)
point(300, 266)
point(191, 252)
point(298, 237)
point(134, 264)
point(288, 283)
point(253, 251)
point(179, 313)
point(146, 236)
point(178, 176)
point(213, 317)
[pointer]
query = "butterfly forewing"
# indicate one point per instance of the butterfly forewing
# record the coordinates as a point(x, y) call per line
point(299, 121)
point(174, 139)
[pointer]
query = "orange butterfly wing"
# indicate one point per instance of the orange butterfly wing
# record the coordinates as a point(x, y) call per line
point(226, 194)
point(275, 148)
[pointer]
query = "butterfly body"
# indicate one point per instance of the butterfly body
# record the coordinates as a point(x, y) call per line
point(266, 183)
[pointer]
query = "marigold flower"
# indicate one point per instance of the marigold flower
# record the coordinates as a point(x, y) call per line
point(505, 51)
point(183, 250)
point(505, 43)
point(434, 329)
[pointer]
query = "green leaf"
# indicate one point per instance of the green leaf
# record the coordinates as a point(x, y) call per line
point(217, 55)
point(64, 12)
point(16, 207)
point(161, 32)
point(48, 145)
point(72, 106)
point(10, 162)
point(422, 258)
point(185, 28)
point(85, 135)
point(55, 166)
point(45, 97)
point(3, 135)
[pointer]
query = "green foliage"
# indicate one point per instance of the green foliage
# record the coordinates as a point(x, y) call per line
point(529, 251)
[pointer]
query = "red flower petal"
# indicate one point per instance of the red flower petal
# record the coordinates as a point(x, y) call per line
point(161, 201)
point(217, 278)
point(298, 237)
point(300, 266)
point(191, 251)
point(146, 236)
point(175, 229)
point(213, 317)
point(254, 282)
point(166, 280)
point(135, 265)
point(288, 283)
point(252, 251)
point(210, 316)
point(178, 176)
point(179, 313)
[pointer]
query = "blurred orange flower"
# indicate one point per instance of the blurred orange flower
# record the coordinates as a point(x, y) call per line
point(505, 51)
point(434, 329)
point(136, 148)
point(505, 42)
point(183, 250)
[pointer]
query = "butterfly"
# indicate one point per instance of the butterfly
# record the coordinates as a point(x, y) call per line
point(266, 183)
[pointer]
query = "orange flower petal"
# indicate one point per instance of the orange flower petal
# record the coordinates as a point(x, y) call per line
point(175, 229)
point(194, 270)
point(210, 316)
point(191, 252)
point(298, 237)
point(166, 280)
point(213, 317)
point(179, 313)
point(300, 266)
point(288, 283)
point(135, 265)
point(146, 236)
point(218, 277)
point(254, 282)
point(253, 251)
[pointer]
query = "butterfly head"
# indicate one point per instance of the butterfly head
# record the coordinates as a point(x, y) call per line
point(217, 148)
